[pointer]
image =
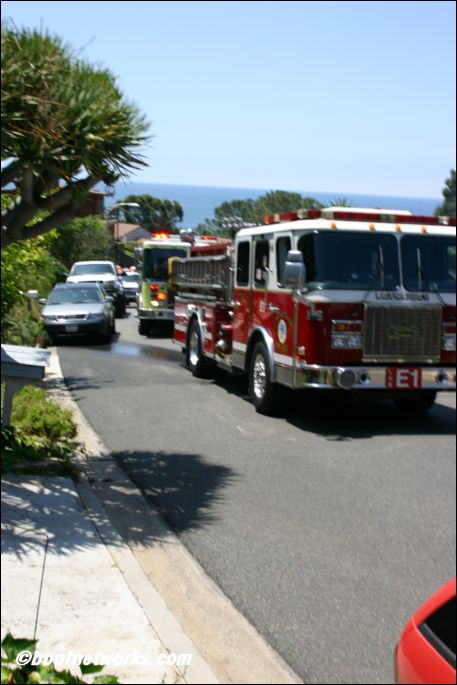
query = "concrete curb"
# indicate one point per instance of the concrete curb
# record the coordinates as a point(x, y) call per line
point(194, 611)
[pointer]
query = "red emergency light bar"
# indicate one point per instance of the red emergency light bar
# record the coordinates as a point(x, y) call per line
point(163, 235)
point(358, 216)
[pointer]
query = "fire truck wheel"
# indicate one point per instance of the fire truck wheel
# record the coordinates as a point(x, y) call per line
point(262, 390)
point(417, 405)
point(195, 359)
point(143, 327)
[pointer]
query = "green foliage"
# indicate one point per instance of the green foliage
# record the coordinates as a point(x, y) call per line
point(230, 216)
point(153, 214)
point(340, 202)
point(20, 327)
point(82, 239)
point(25, 265)
point(12, 673)
point(36, 415)
point(28, 265)
point(447, 208)
point(282, 201)
point(42, 437)
point(28, 454)
point(65, 127)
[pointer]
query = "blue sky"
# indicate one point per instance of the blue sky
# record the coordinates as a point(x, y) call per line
point(342, 97)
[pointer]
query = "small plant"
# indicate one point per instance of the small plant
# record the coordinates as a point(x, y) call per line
point(17, 666)
point(41, 441)
point(36, 415)
point(28, 454)
point(21, 328)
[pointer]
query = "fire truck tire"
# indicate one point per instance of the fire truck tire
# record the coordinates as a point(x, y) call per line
point(263, 392)
point(416, 405)
point(195, 358)
point(143, 327)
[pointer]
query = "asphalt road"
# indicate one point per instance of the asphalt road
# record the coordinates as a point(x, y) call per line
point(327, 526)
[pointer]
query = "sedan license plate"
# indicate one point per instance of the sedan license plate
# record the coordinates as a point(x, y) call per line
point(403, 379)
point(71, 329)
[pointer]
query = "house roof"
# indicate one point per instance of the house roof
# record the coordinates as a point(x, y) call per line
point(123, 230)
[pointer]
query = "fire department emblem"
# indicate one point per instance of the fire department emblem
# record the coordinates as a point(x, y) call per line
point(282, 331)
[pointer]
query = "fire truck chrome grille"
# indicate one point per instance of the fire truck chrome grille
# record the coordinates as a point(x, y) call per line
point(403, 334)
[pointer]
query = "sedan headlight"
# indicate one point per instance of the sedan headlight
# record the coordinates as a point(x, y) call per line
point(49, 318)
point(99, 316)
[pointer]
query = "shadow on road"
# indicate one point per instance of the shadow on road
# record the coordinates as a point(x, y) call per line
point(343, 417)
point(184, 488)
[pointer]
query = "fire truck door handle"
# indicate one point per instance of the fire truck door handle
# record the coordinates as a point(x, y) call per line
point(273, 308)
point(236, 303)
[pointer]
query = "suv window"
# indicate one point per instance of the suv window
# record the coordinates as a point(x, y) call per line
point(100, 268)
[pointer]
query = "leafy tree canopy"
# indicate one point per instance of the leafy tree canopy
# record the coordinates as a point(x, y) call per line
point(82, 239)
point(231, 216)
point(65, 127)
point(153, 214)
point(447, 208)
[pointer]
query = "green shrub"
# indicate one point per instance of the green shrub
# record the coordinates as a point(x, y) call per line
point(29, 454)
point(41, 438)
point(20, 327)
point(35, 414)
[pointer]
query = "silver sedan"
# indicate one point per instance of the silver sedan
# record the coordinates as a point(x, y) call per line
point(79, 309)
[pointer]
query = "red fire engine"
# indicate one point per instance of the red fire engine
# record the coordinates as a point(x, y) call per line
point(360, 300)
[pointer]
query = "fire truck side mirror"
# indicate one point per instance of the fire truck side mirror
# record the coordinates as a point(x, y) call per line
point(295, 271)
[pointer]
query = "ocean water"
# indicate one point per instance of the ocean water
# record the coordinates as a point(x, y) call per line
point(199, 202)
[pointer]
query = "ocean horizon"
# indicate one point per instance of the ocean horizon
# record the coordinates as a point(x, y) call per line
point(199, 202)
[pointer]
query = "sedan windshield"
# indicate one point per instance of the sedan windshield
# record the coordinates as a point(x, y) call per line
point(75, 296)
point(350, 260)
point(155, 261)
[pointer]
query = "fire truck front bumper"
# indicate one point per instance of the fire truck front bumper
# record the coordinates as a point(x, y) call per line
point(372, 378)
point(156, 314)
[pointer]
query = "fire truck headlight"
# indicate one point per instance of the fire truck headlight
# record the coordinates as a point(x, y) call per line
point(449, 342)
point(347, 341)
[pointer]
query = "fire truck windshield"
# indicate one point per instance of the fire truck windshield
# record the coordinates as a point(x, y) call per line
point(428, 263)
point(350, 260)
point(155, 261)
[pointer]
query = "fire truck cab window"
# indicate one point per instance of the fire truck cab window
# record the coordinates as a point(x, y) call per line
point(283, 245)
point(155, 261)
point(242, 264)
point(306, 245)
point(428, 263)
point(262, 253)
point(349, 261)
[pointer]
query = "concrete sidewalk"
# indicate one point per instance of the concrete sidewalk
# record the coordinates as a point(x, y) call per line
point(61, 585)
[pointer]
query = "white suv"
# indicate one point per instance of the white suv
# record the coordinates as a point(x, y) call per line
point(103, 273)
